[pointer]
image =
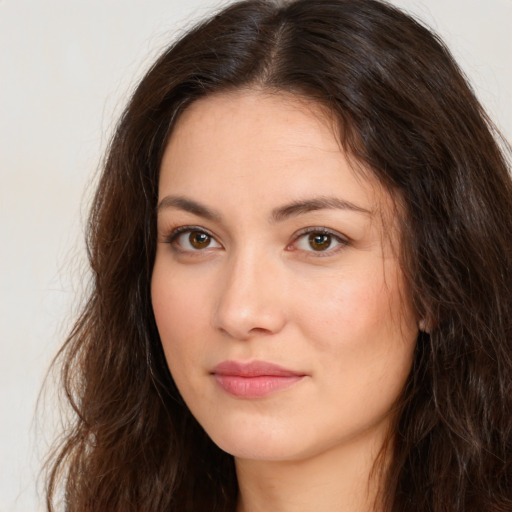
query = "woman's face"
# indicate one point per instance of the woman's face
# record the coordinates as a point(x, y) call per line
point(276, 287)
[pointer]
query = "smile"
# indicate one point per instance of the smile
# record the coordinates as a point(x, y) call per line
point(253, 380)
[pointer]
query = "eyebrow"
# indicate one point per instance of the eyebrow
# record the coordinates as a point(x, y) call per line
point(188, 205)
point(317, 203)
point(278, 214)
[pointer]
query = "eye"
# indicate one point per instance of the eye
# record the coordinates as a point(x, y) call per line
point(193, 240)
point(320, 240)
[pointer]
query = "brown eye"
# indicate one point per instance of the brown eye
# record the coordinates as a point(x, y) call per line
point(193, 240)
point(199, 240)
point(319, 241)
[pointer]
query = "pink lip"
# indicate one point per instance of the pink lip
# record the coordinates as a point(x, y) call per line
point(255, 379)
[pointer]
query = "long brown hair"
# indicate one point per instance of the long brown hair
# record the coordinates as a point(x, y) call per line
point(405, 111)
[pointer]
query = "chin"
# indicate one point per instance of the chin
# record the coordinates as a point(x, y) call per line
point(257, 443)
point(271, 439)
point(260, 451)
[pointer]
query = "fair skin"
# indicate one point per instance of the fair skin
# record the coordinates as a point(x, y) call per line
point(272, 251)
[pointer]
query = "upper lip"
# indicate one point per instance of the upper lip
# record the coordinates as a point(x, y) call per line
point(253, 369)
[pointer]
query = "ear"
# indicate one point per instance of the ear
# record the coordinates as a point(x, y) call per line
point(422, 326)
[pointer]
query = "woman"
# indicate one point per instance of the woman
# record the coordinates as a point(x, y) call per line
point(302, 257)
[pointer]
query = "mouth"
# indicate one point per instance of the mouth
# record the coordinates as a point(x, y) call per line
point(255, 379)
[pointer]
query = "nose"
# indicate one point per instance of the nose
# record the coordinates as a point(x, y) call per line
point(250, 299)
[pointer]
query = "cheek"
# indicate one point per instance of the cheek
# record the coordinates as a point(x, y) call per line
point(180, 316)
point(343, 306)
point(365, 325)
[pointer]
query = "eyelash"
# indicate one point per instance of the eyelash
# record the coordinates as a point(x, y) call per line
point(176, 233)
point(335, 237)
point(342, 241)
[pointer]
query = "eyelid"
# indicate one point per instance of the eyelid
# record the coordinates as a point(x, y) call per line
point(342, 240)
point(173, 236)
point(339, 237)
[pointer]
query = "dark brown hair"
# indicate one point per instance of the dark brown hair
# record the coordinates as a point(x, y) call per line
point(406, 112)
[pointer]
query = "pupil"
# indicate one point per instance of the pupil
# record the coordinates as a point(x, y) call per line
point(319, 242)
point(199, 240)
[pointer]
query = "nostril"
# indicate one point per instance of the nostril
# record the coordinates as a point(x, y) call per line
point(260, 330)
point(243, 323)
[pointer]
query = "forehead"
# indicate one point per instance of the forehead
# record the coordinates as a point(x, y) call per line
point(266, 147)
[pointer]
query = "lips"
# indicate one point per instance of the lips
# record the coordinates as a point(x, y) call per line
point(255, 379)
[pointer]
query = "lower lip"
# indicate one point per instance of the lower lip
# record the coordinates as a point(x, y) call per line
point(255, 386)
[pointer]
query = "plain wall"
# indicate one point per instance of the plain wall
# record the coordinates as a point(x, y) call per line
point(66, 69)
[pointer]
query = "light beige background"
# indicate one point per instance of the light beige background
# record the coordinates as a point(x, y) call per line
point(66, 69)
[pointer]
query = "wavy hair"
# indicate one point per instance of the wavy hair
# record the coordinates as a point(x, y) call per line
point(405, 111)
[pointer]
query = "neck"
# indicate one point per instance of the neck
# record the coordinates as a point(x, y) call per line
point(344, 479)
